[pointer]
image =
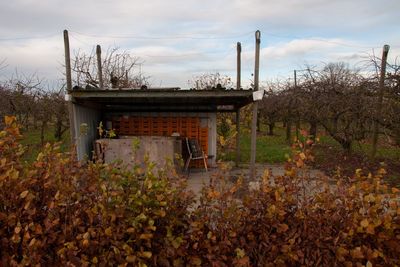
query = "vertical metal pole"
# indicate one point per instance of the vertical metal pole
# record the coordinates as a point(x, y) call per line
point(99, 67)
point(238, 86)
point(255, 108)
point(380, 100)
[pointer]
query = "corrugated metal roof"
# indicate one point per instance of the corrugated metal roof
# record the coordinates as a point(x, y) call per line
point(163, 99)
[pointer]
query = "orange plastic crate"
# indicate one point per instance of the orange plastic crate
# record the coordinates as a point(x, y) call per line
point(164, 126)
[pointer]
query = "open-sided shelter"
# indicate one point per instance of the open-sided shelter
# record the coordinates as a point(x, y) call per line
point(162, 112)
point(152, 112)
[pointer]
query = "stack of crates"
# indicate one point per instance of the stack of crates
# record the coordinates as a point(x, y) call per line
point(124, 126)
point(145, 126)
point(189, 127)
point(164, 126)
point(160, 126)
point(155, 124)
point(203, 138)
point(116, 124)
point(135, 126)
point(174, 125)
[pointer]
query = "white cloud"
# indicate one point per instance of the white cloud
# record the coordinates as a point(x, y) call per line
point(296, 48)
point(343, 27)
point(43, 57)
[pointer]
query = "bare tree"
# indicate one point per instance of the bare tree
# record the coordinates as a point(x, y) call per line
point(340, 103)
point(335, 97)
point(211, 81)
point(34, 104)
point(21, 92)
point(3, 64)
point(120, 70)
point(388, 120)
point(270, 109)
point(61, 123)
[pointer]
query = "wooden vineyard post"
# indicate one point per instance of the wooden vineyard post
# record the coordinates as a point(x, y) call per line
point(238, 86)
point(99, 67)
point(255, 108)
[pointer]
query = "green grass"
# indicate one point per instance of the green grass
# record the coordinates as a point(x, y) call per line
point(274, 149)
point(31, 139)
point(384, 151)
point(271, 149)
point(328, 154)
point(327, 140)
point(392, 153)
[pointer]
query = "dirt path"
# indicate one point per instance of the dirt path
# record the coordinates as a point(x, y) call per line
point(198, 178)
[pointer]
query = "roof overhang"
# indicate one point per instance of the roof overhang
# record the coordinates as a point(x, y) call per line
point(163, 99)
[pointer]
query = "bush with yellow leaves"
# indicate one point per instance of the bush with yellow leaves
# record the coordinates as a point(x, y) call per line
point(57, 211)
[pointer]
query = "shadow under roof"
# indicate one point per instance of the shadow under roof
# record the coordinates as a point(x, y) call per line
point(167, 99)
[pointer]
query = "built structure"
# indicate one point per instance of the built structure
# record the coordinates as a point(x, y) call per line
point(151, 112)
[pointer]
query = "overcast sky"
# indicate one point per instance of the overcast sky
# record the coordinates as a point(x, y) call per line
point(177, 40)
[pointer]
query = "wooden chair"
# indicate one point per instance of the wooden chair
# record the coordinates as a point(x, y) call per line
point(195, 153)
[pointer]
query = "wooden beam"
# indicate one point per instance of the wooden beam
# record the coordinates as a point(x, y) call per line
point(198, 94)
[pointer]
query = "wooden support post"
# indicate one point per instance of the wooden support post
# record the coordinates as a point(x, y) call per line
point(255, 108)
point(238, 86)
point(99, 67)
point(238, 65)
point(68, 77)
point(67, 61)
point(378, 111)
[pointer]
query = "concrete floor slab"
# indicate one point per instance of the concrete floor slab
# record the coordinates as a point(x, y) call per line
point(197, 179)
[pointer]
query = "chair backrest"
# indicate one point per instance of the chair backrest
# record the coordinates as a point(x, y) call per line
point(194, 148)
